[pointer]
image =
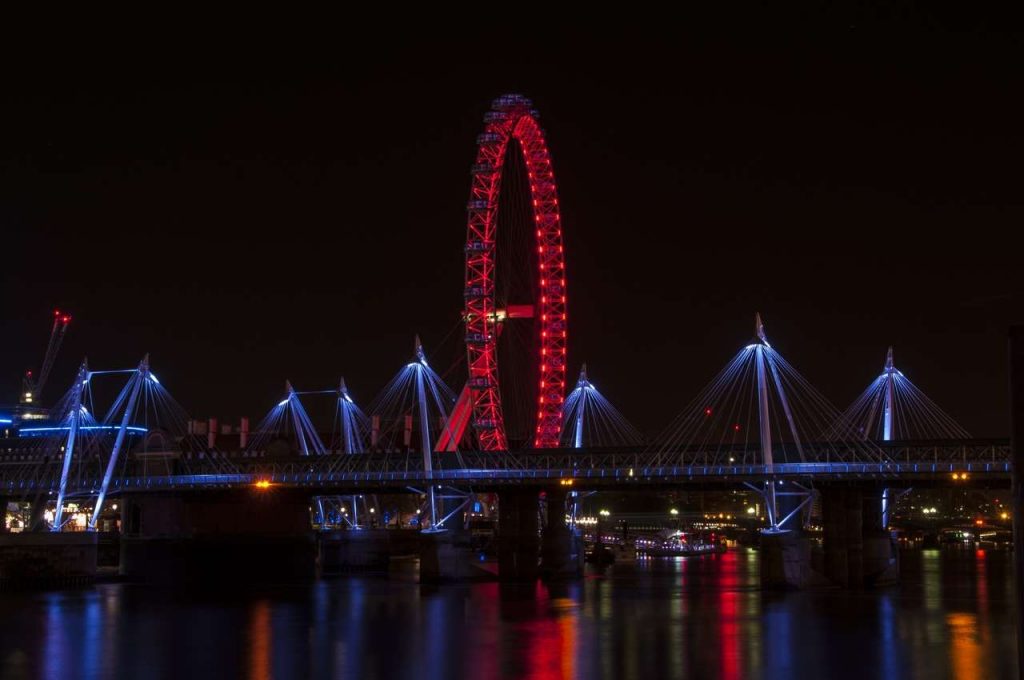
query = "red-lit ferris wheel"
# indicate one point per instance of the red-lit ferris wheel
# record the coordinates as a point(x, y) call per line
point(512, 119)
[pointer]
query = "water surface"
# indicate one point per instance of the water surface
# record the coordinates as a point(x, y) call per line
point(951, 617)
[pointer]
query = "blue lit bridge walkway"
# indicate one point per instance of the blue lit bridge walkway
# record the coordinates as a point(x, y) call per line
point(920, 463)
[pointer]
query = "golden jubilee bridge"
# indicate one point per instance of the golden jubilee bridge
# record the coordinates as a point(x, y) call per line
point(511, 423)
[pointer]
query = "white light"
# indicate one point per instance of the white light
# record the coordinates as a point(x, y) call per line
point(153, 378)
point(751, 510)
point(285, 401)
point(674, 511)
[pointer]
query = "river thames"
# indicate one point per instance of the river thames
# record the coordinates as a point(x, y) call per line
point(703, 617)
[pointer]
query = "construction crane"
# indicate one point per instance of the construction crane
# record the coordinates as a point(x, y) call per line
point(32, 386)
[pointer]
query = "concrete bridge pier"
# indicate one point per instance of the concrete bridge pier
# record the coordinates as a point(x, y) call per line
point(786, 554)
point(37, 510)
point(842, 517)
point(363, 550)
point(881, 552)
point(518, 534)
point(448, 555)
point(561, 550)
point(228, 535)
point(859, 551)
point(786, 560)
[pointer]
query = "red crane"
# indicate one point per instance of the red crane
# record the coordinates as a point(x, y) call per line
point(31, 386)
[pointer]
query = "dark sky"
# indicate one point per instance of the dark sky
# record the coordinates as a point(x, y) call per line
point(249, 213)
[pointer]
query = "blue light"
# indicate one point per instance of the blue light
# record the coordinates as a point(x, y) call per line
point(65, 428)
point(6, 421)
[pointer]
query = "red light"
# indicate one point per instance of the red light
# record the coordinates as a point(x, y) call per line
point(707, 411)
point(56, 312)
point(736, 427)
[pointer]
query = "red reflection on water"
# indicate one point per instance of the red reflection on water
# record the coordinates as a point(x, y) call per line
point(551, 640)
point(728, 616)
point(485, 654)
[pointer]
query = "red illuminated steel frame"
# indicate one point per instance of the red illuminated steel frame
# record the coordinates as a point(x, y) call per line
point(512, 118)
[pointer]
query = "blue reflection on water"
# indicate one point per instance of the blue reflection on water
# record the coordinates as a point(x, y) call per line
point(952, 616)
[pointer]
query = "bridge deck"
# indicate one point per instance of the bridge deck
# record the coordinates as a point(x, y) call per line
point(919, 462)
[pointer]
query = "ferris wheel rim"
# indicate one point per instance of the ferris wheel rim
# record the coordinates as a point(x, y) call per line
point(513, 119)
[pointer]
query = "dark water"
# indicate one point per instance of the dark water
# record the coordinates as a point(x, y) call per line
point(952, 617)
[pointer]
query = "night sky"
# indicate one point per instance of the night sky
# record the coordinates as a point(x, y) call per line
point(250, 213)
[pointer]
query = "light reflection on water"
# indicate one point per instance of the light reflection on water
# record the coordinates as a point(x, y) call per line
point(951, 617)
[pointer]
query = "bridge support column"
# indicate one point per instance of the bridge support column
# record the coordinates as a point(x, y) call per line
point(786, 560)
point(230, 535)
point(47, 558)
point(363, 550)
point(881, 553)
point(36, 519)
point(561, 550)
point(843, 513)
point(449, 556)
point(518, 535)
